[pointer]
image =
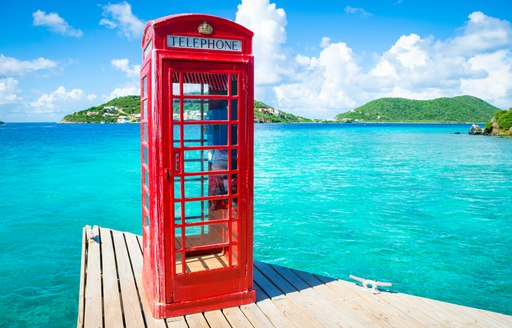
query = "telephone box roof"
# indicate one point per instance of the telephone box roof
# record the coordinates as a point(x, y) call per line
point(182, 19)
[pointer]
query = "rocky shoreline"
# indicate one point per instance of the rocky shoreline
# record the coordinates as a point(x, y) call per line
point(500, 125)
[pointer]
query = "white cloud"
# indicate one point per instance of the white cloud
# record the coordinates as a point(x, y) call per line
point(268, 24)
point(321, 83)
point(120, 16)
point(476, 61)
point(123, 64)
point(9, 91)
point(55, 23)
point(10, 66)
point(496, 84)
point(357, 11)
point(325, 42)
point(123, 91)
point(59, 100)
point(480, 34)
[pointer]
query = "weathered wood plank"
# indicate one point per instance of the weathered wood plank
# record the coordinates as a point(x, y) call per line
point(196, 320)
point(311, 306)
point(93, 316)
point(295, 313)
point(236, 317)
point(256, 316)
point(176, 322)
point(360, 304)
point(216, 319)
point(271, 311)
point(136, 258)
point(81, 292)
point(129, 294)
point(353, 315)
point(111, 300)
point(396, 315)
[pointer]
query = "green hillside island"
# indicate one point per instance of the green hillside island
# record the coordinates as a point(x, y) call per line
point(127, 110)
point(462, 109)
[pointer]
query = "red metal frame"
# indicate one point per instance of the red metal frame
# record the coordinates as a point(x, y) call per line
point(171, 285)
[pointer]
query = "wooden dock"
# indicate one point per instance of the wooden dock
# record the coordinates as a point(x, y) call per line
point(111, 295)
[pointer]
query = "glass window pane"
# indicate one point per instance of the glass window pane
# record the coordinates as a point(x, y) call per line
point(234, 134)
point(218, 185)
point(176, 135)
point(234, 184)
point(193, 135)
point(146, 201)
point(146, 132)
point(195, 109)
point(179, 267)
point(176, 88)
point(234, 109)
point(234, 84)
point(148, 48)
point(234, 231)
point(216, 134)
point(234, 255)
point(212, 234)
point(176, 110)
point(196, 186)
point(205, 83)
point(146, 156)
point(234, 208)
point(196, 212)
point(196, 161)
point(145, 110)
point(145, 86)
point(218, 160)
point(234, 159)
point(177, 212)
point(177, 188)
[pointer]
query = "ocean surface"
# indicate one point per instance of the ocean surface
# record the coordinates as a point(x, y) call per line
point(417, 205)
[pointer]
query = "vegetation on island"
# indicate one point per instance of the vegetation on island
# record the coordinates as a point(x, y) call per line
point(500, 124)
point(1, 123)
point(461, 109)
point(118, 110)
point(127, 110)
point(264, 113)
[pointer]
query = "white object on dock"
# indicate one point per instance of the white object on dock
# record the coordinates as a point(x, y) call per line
point(371, 285)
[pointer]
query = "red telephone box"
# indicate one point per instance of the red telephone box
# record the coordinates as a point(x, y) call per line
point(197, 164)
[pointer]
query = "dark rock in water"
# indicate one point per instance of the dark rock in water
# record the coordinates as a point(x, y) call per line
point(475, 129)
point(456, 133)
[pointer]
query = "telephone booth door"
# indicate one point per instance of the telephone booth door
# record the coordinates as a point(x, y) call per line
point(204, 136)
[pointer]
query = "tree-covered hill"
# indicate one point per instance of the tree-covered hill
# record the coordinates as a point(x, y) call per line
point(122, 109)
point(264, 113)
point(460, 109)
point(127, 109)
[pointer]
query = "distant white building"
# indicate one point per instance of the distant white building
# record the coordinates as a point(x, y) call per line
point(108, 115)
point(122, 119)
point(110, 108)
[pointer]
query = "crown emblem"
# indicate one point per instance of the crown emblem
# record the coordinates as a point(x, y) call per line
point(205, 28)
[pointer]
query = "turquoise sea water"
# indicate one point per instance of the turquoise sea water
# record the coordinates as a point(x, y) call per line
point(417, 205)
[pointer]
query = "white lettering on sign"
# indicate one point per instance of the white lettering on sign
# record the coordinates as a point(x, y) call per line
point(193, 42)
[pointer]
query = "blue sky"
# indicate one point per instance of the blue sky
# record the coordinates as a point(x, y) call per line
point(313, 58)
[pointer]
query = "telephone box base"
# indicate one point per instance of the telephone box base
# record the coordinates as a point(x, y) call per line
point(161, 310)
